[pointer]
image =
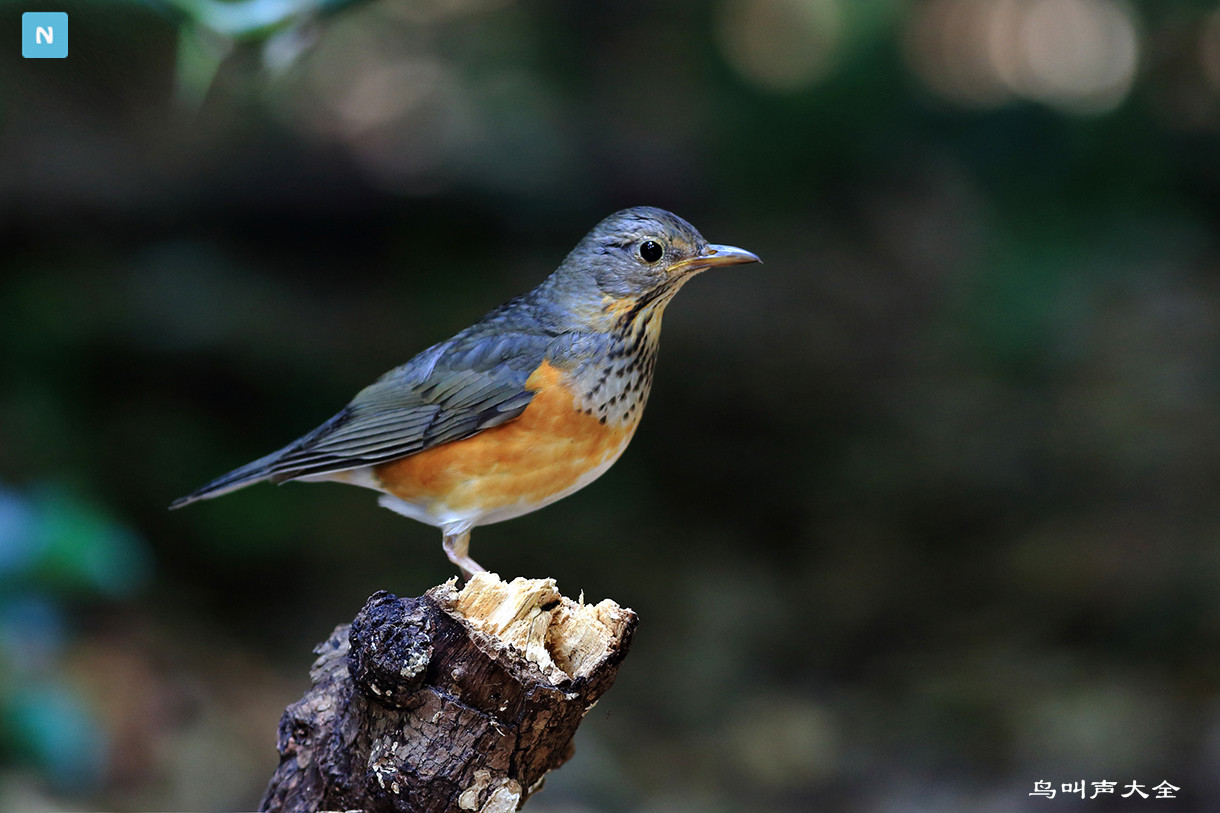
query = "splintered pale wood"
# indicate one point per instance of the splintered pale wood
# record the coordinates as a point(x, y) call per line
point(455, 701)
point(567, 639)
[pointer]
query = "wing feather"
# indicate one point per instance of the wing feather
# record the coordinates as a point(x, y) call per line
point(472, 382)
point(468, 387)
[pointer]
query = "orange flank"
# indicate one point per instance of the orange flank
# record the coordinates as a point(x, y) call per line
point(551, 449)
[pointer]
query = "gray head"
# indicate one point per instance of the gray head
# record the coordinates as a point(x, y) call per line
point(643, 252)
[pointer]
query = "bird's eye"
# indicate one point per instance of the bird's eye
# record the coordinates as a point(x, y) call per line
point(651, 251)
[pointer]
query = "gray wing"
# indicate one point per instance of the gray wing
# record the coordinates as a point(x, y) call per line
point(448, 392)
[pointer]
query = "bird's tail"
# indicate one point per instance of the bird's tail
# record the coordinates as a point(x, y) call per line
point(248, 474)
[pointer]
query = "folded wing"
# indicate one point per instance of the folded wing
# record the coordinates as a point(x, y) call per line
point(446, 393)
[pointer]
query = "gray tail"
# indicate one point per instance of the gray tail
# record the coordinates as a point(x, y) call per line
point(248, 474)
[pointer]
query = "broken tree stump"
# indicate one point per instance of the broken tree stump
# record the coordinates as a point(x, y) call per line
point(452, 702)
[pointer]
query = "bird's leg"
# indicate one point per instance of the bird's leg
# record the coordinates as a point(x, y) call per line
point(457, 548)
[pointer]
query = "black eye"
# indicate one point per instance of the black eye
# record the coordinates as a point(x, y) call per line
point(651, 251)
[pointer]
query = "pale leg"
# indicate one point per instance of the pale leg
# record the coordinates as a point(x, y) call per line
point(457, 548)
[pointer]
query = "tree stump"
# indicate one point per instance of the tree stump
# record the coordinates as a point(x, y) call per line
point(453, 702)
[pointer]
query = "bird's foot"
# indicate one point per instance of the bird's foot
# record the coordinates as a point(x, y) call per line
point(457, 548)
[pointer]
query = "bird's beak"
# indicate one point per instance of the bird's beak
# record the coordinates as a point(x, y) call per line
point(715, 255)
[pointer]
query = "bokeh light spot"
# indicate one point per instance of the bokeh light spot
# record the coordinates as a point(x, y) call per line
point(1209, 49)
point(1079, 56)
point(780, 45)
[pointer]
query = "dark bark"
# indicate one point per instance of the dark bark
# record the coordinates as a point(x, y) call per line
point(451, 702)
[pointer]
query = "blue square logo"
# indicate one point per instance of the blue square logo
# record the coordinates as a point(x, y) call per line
point(44, 34)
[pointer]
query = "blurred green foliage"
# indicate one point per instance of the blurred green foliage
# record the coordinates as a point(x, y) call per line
point(57, 552)
point(923, 509)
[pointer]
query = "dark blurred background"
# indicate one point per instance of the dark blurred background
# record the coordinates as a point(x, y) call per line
point(924, 510)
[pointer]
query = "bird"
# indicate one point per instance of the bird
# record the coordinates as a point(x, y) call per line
point(529, 404)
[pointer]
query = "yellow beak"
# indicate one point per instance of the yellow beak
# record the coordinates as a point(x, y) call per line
point(715, 255)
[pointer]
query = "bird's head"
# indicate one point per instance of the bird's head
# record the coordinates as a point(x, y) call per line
point(644, 254)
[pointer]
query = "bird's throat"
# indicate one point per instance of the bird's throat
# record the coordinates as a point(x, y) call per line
point(616, 394)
